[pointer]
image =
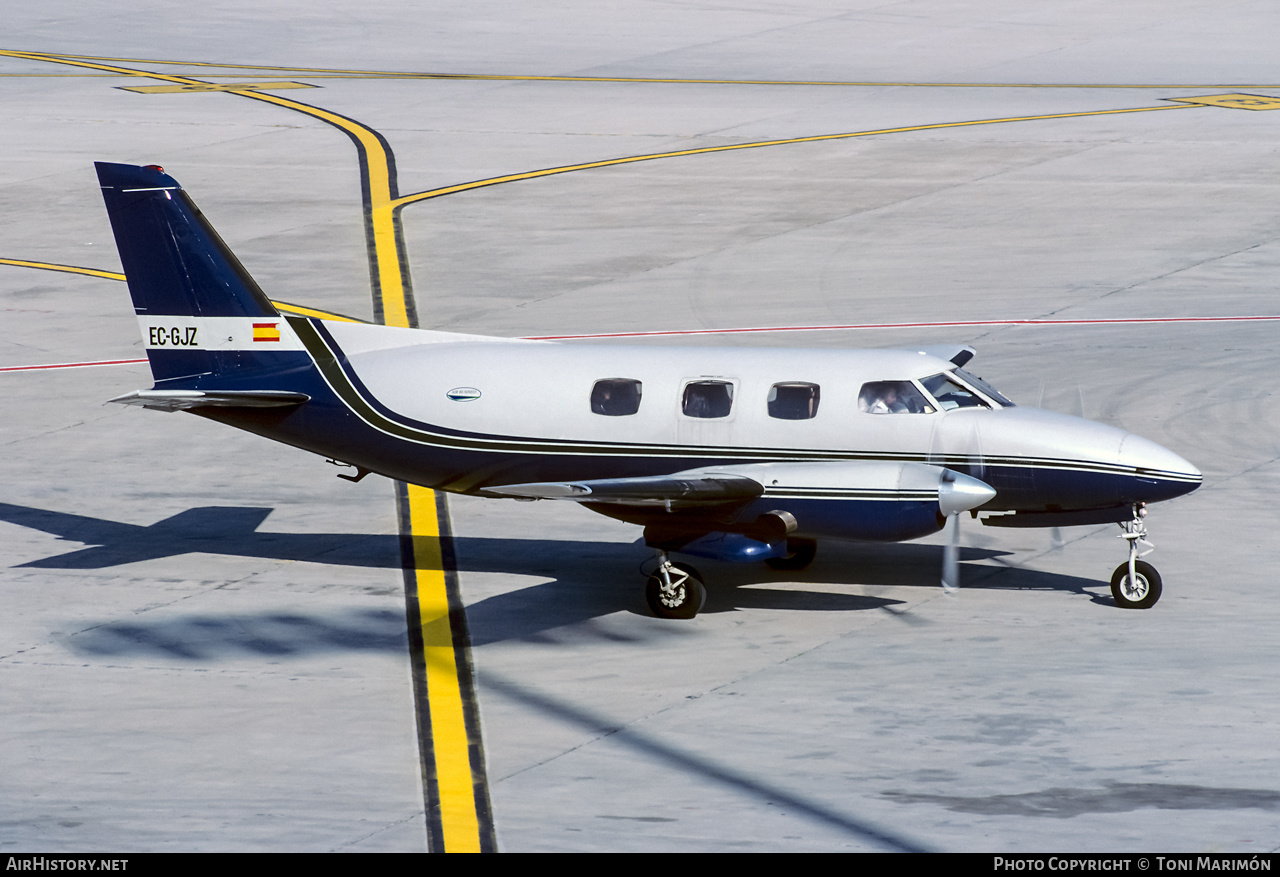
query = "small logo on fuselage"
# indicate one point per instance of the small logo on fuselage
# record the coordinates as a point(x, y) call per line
point(463, 394)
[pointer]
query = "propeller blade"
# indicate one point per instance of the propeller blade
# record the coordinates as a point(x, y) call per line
point(951, 556)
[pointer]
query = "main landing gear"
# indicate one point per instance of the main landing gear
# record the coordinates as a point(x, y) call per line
point(1136, 584)
point(674, 590)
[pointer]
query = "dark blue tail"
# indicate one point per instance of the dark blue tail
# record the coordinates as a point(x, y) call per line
point(203, 318)
point(175, 262)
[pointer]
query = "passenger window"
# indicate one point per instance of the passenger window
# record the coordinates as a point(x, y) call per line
point(793, 401)
point(951, 395)
point(707, 399)
point(892, 397)
point(616, 397)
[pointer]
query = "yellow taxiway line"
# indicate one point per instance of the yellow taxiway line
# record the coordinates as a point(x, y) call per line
point(282, 306)
point(70, 269)
point(456, 789)
point(703, 150)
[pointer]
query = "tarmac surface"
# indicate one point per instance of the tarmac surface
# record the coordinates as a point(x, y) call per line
point(204, 640)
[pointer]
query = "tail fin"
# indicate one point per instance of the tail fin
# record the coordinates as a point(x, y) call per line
point(202, 316)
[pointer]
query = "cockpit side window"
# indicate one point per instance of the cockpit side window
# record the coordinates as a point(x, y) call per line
point(616, 397)
point(794, 401)
point(707, 399)
point(892, 397)
point(951, 395)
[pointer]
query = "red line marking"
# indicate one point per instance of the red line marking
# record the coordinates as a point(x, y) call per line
point(27, 368)
point(935, 325)
point(950, 323)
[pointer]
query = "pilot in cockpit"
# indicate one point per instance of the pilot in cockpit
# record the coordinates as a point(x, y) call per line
point(891, 397)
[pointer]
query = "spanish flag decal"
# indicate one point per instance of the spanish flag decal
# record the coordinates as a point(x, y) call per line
point(266, 332)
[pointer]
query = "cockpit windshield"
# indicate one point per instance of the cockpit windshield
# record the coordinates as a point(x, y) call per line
point(950, 394)
point(983, 387)
point(904, 397)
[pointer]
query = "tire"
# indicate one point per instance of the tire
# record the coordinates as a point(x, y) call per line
point(687, 597)
point(800, 553)
point(1146, 592)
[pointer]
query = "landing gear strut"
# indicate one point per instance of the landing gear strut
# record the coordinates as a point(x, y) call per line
point(1136, 584)
point(674, 590)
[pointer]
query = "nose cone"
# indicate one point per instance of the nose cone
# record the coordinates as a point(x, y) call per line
point(958, 493)
point(1158, 472)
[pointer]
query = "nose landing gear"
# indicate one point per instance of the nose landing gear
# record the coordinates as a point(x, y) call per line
point(1136, 584)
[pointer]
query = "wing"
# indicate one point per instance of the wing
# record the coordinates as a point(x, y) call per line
point(660, 490)
point(856, 499)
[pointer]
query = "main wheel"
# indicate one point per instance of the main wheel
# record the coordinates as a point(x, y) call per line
point(1142, 593)
point(683, 599)
point(800, 553)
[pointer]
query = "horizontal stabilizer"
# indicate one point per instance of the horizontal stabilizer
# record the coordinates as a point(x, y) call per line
point(655, 490)
point(181, 400)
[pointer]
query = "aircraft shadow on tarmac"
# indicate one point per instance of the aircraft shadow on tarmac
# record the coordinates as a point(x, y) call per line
point(587, 581)
point(592, 580)
point(210, 637)
point(226, 530)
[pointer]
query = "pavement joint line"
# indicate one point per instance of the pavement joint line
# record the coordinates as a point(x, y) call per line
point(941, 324)
point(514, 77)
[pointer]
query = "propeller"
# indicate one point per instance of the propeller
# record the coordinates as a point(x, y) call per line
point(957, 494)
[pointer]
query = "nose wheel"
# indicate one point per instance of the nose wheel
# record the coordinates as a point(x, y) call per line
point(1136, 584)
point(674, 590)
point(1136, 589)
